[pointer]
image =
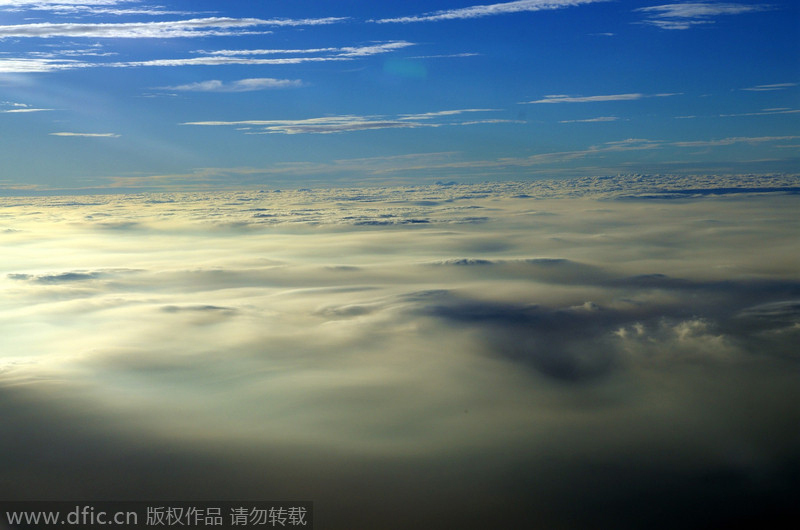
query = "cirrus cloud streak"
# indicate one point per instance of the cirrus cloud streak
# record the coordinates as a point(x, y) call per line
point(479, 11)
point(196, 27)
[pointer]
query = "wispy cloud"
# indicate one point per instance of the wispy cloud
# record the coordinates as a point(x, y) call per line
point(18, 108)
point(325, 125)
point(242, 85)
point(86, 135)
point(59, 4)
point(219, 61)
point(51, 62)
point(341, 51)
point(347, 123)
point(553, 160)
point(560, 98)
point(690, 14)
point(440, 113)
point(592, 120)
point(54, 4)
point(88, 7)
point(13, 111)
point(770, 88)
point(735, 140)
point(447, 162)
point(764, 112)
point(488, 10)
point(446, 56)
point(33, 65)
point(85, 52)
point(197, 27)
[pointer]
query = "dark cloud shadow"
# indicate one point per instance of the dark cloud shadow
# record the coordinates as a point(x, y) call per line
point(64, 277)
point(566, 344)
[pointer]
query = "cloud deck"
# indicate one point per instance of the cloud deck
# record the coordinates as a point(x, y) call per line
point(606, 353)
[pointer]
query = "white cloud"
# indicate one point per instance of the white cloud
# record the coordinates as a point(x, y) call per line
point(41, 62)
point(57, 4)
point(198, 27)
point(326, 125)
point(563, 98)
point(12, 111)
point(30, 65)
point(592, 120)
point(769, 88)
point(219, 61)
point(326, 356)
point(447, 56)
point(89, 7)
point(373, 49)
point(764, 112)
point(734, 140)
point(496, 120)
point(86, 52)
point(489, 10)
point(19, 108)
point(349, 123)
point(242, 85)
point(440, 113)
point(44, 3)
point(343, 51)
point(587, 99)
point(687, 15)
point(86, 135)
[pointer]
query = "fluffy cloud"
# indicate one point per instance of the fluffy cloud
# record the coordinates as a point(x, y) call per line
point(540, 345)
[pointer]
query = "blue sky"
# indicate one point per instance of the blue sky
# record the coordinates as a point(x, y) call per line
point(127, 95)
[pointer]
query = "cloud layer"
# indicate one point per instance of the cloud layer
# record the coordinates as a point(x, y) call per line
point(572, 353)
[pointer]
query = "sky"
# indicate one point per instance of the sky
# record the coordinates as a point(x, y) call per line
point(573, 353)
point(440, 264)
point(128, 95)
